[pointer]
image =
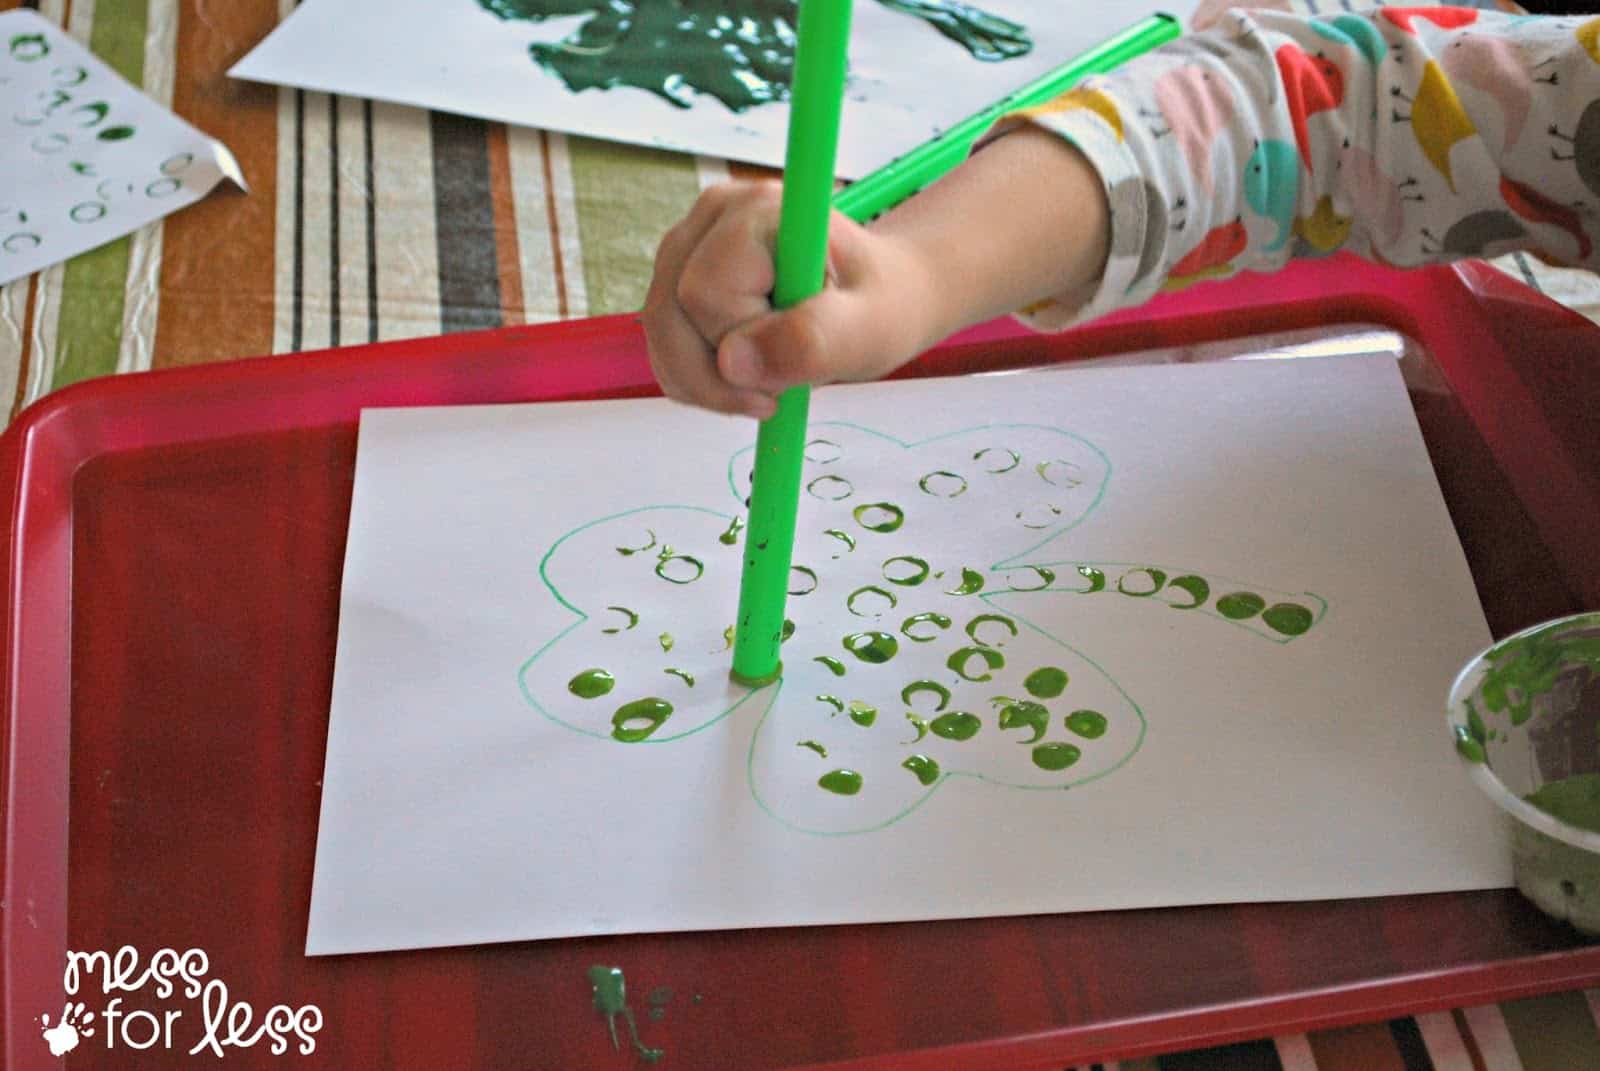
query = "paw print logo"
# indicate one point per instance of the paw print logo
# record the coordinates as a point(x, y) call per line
point(939, 627)
point(73, 1027)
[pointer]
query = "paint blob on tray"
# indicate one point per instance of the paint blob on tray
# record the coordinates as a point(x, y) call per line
point(904, 667)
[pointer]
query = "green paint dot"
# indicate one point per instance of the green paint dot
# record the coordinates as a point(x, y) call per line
point(884, 516)
point(788, 631)
point(635, 721)
point(823, 451)
point(956, 725)
point(679, 568)
point(591, 684)
point(1046, 577)
point(1055, 756)
point(919, 725)
point(730, 535)
point(1089, 724)
point(862, 714)
point(629, 617)
point(871, 594)
point(1196, 587)
point(115, 133)
point(812, 745)
point(1096, 579)
point(1241, 605)
point(1154, 578)
point(874, 647)
point(1046, 682)
point(835, 666)
point(610, 990)
point(916, 574)
point(846, 538)
point(1026, 715)
point(683, 675)
point(841, 782)
point(991, 658)
point(1003, 460)
point(926, 769)
point(830, 488)
point(943, 484)
point(833, 701)
point(666, 641)
point(939, 621)
point(934, 688)
point(1003, 621)
point(802, 580)
point(971, 583)
point(649, 544)
point(1288, 618)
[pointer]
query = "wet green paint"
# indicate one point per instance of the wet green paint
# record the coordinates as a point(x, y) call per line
point(730, 535)
point(1288, 618)
point(610, 994)
point(1067, 479)
point(846, 538)
point(591, 684)
point(1055, 756)
point(971, 583)
point(1089, 724)
point(679, 568)
point(833, 701)
point(933, 688)
point(862, 714)
point(834, 666)
point(841, 782)
point(812, 745)
point(874, 647)
point(1026, 715)
point(991, 658)
point(1195, 587)
point(938, 620)
point(925, 768)
point(870, 589)
point(633, 619)
point(1045, 576)
point(1003, 621)
point(788, 631)
point(1096, 579)
point(1524, 668)
point(666, 641)
point(920, 725)
point(943, 484)
point(683, 675)
point(956, 725)
point(1038, 521)
point(886, 516)
point(727, 638)
point(1046, 682)
point(1011, 459)
point(830, 488)
point(637, 720)
point(650, 545)
point(802, 580)
point(918, 573)
point(987, 37)
point(1240, 605)
point(1573, 800)
point(1157, 580)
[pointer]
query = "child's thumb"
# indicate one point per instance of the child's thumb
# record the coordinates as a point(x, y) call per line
point(817, 341)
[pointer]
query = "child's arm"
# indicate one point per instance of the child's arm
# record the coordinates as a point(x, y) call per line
point(1406, 135)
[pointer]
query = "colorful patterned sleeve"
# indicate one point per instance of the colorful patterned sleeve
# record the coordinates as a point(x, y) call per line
point(1406, 135)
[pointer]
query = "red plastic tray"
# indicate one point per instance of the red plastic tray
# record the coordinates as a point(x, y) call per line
point(173, 564)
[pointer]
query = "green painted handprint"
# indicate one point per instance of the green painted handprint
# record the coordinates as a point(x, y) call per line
point(742, 54)
point(911, 656)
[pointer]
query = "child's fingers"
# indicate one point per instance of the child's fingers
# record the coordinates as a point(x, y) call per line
point(728, 276)
point(830, 337)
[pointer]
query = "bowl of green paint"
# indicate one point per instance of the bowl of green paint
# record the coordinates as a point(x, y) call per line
point(1525, 718)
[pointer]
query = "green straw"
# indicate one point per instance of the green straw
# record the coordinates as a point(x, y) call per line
point(801, 260)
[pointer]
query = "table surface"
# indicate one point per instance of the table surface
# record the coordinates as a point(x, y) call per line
point(368, 221)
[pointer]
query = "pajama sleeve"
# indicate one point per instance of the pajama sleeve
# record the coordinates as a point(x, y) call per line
point(1406, 135)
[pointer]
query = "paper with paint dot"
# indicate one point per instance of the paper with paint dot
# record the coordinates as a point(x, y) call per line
point(88, 158)
point(1077, 640)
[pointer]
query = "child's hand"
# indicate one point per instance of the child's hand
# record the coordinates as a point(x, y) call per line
point(715, 340)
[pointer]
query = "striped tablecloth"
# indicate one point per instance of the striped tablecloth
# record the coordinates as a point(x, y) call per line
point(368, 221)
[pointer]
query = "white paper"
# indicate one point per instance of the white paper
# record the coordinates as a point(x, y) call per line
point(907, 83)
point(469, 796)
point(88, 158)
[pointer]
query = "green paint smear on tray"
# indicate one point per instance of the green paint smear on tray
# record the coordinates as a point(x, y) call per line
point(841, 782)
point(743, 55)
point(611, 1000)
point(1574, 800)
point(925, 769)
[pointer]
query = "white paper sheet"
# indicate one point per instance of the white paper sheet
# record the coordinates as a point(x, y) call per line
point(88, 157)
point(907, 82)
point(469, 796)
